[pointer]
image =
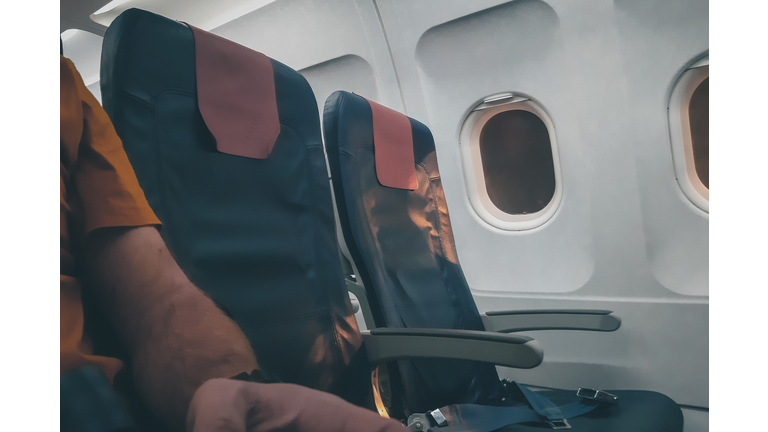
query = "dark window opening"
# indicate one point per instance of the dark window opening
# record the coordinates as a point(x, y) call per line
point(517, 162)
point(698, 115)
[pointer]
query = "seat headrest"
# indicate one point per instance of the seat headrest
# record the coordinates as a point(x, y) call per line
point(393, 148)
point(236, 95)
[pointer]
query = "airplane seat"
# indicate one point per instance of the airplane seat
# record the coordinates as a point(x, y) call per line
point(226, 145)
point(396, 225)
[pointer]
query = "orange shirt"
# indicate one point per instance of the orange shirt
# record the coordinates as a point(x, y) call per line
point(98, 189)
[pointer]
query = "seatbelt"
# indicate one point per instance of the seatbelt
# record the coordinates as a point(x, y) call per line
point(482, 418)
point(556, 416)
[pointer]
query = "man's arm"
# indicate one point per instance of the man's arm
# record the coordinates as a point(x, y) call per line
point(176, 336)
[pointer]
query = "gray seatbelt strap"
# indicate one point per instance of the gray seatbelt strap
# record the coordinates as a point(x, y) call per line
point(472, 418)
point(481, 418)
point(553, 415)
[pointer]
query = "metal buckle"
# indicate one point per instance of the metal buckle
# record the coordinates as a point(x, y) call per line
point(438, 417)
point(598, 395)
point(559, 424)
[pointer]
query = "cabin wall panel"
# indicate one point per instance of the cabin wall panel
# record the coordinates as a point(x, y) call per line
point(95, 89)
point(84, 49)
point(658, 40)
point(338, 43)
point(349, 72)
point(624, 238)
point(404, 22)
point(570, 56)
point(556, 53)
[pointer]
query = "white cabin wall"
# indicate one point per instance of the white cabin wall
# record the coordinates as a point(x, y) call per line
point(515, 46)
point(659, 39)
point(625, 238)
point(84, 49)
point(336, 44)
point(570, 56)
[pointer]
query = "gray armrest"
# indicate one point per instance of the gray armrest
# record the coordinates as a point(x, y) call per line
point(551, 319)
point(505, 350)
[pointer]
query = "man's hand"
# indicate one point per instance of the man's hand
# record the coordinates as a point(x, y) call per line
point(224, 405)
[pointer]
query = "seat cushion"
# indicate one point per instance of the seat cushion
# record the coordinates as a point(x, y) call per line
point(637, 411)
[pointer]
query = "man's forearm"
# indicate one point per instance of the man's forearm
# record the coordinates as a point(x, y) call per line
point(176, 336)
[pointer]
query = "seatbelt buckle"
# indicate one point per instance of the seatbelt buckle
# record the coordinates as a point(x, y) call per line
point(559, 424)
point(422, 422)
point(438, 417)
point(598, 395)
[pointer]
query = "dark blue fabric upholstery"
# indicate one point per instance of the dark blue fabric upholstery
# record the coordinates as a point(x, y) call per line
point(89, 404)
point(258, 235)
point(637, 411)
point(402, 244)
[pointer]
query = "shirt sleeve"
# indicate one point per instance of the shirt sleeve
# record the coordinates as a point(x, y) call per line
point(109, 192)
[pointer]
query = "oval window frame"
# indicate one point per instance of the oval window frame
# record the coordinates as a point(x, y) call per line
point(469, 143)
point(680, 132)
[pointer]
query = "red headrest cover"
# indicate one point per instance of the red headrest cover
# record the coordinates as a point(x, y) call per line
point(236, 95)
point(393, 148)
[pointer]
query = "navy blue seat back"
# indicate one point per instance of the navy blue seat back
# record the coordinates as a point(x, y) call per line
point(403, 247)
point(257, 235)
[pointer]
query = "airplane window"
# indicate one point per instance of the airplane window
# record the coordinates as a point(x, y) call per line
point(517, 162)
point(698, 116)
point(510, 162)
point(689, 131)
